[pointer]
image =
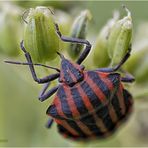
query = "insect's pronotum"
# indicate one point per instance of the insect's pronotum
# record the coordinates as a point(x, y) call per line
point(87, 104)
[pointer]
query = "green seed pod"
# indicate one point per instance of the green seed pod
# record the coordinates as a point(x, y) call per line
point(137, 64)
point(142, 72)
point(100, 49)
point(120, 38)
point(10, 32)
point(40, 37)
point(78, 30)
point(65, 22)
point(136, 59)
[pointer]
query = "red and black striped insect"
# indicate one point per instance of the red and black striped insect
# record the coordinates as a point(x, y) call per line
point(87, 104)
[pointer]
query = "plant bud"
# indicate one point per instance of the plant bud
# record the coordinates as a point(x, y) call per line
point(120, 38)
point(142, 72)
point(137, 63)
point(100, 52)
point(78, 30)
point(10, 32)
point(136, 59)
point(40, 37)
point(64, 22)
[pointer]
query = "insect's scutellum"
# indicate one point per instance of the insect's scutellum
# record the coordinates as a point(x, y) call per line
point(87, 104)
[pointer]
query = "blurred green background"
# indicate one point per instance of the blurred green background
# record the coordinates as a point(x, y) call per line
point(22, 116)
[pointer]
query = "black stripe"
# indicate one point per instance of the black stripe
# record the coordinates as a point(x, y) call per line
point(76, 73)
point(104, 115)
point(91, 124)
point(73, 70)
point(103, 112)
point(128, 99)
point(63, 130)
point(52, 111)
point(116, 105)
point(78, 101)
point(63, 98)
point(87, 120)
point(66, 110)
point(94, 100)
point(67, 77)
point(73, 125)
point(97, 80)
point(115, 80)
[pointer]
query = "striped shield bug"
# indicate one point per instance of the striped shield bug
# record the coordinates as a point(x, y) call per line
point(87, 104)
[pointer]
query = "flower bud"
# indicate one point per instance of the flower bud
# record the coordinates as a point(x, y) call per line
point(78, 30)
point(10, 32)
point(40, 37)
point(142, 72)
point(100, 52)
point(120, 38)
point(136, 59)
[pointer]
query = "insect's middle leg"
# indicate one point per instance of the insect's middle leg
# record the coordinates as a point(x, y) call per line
point(39, 80)
point(84, 53)
point(118, 66)
point(45, 95)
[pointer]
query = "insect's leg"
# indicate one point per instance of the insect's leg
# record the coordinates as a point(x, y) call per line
point(45, 95)
point(84, 53)
point(128, 78)
point(29, 60)
point(118, 66)
point(46, 85)
point(49, 123)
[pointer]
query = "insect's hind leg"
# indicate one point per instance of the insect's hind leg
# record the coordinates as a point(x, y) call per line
point(118, 66)
point(49, 123)
point(84, 53)
point(128, 78)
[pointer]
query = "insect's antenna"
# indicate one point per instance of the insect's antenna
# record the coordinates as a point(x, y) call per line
point(23, 16)
point(36, 64)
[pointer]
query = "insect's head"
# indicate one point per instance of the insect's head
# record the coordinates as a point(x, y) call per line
point(70, 73)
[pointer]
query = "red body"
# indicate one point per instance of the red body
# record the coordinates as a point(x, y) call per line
point(91, 108)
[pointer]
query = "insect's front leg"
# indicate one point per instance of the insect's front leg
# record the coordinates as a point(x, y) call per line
point(39, 80)
point(84, 53)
